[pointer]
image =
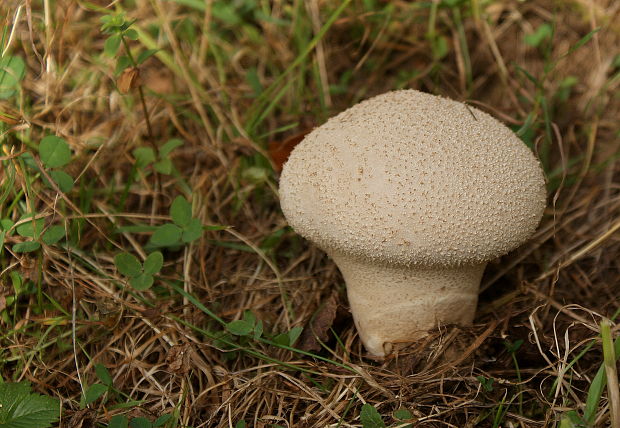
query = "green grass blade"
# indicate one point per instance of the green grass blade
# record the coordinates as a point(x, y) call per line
point(203, 308)
point(609, 359)
point(196, 302)
point(596, 389)
point(267, 96)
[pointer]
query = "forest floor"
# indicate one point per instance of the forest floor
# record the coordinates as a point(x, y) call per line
point(147, 271)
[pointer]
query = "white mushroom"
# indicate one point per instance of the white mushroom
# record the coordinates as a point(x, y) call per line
point(411, 195)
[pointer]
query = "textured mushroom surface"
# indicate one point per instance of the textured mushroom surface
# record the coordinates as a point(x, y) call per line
point(411, 195)
point(413, 179)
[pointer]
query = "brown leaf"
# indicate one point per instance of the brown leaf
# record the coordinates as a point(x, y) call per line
point(2, 303)
point(279, 151)
point(178, 359)
point(320, 325)
point(128, 80)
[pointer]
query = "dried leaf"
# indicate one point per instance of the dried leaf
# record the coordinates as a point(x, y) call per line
point(320, 325)
point(279, 151)
point(178, 359)
point(128, 80)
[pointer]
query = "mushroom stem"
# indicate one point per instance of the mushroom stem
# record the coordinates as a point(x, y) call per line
point(400, 304)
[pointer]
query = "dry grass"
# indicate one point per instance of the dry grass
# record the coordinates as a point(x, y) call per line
point(202, 87)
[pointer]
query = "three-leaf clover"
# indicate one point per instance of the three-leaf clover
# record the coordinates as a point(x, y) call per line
point(487, 383)
point(31, 227)
point(161, 161)
point(140, 275)
point(184, 228)
point(55, 153)
point(247, 326)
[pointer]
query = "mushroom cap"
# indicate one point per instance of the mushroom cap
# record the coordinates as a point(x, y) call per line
point(411, 178)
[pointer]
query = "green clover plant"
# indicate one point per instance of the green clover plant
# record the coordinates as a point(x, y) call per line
point(183, 229)
point(141, 276)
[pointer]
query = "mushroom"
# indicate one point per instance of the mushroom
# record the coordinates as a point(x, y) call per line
point(411, 195)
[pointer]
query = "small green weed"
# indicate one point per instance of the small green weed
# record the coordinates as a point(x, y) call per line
point(611, 351)
point(105, 386)
point(119, 32)
point(55, 154)
point(371, 418)
point(183, 229)
point(12, 72)
point(246, 326)
point(97, 390)
point(487, 383)
point(140, 275)
point(161, 161)
point(543, 34)
point(251, 328)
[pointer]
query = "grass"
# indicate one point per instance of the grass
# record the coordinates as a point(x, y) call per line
point(147, 275)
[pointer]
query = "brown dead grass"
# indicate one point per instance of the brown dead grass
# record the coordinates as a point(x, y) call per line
point(551, 293)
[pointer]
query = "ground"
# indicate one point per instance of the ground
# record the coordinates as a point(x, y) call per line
point(159, 276)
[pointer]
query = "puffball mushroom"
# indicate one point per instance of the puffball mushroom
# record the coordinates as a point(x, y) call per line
point(411, 195)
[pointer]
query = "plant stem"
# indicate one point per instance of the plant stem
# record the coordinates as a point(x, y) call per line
point(149, 129)
point(609, 359)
